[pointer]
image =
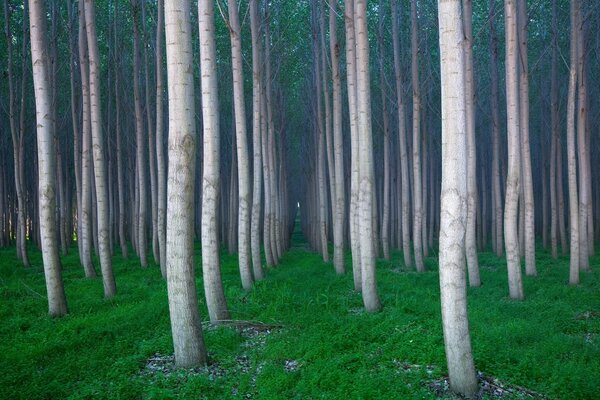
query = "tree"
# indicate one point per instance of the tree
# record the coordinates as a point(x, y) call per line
point(416, 150)
point(511, 238)
point(453, 219)
point(571, 156)
point(256, 144)
point(402, 138)
point(57, 302)
point(188, 342)
point(365, 160)
point(211, 271)
point(104, 251)
point(160, 149)
point(527, 191)
point(471, 240)
point(338, 144)
point(242, 148)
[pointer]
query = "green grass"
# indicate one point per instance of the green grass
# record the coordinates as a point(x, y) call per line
point(99, 350)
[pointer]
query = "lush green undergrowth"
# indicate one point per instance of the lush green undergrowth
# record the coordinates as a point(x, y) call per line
point(320, 345)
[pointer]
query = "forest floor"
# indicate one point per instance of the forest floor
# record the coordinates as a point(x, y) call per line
point(301, 333)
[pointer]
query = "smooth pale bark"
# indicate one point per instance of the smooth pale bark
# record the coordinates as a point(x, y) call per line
point(108, 279)
point(16, 134)
point(161, 168)
point(365, 159)
point(57, 302)
point(140, 143)
point(511, 237)
point(188, 342)
point(385, 220)
point(327, 120)
point(75, 120)
point(471, 239)
point(571, 156)
point(242, 148)
point(498, 245)
point(211, 269)
point(402, 138)
point(353, 116)
point(528, 200)
point(321, 150)
point(416, 149)
point(582, 106)
point(454, 198)
point(151, 142)
point(86, 213)
point(338, 145)
point(256, 144)
point(554, 136)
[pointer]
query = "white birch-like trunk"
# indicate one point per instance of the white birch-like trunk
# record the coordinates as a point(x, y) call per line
point(57, 303)
point(211, 269)
point(454, 199)
point(108, 279)
point(188, 342)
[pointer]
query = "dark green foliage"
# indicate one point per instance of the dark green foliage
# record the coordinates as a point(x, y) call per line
point(328, 347)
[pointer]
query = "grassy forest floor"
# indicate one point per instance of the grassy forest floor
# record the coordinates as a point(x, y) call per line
point(307, 336)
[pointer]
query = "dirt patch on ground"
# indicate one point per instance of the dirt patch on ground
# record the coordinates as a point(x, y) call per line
point(489, 388)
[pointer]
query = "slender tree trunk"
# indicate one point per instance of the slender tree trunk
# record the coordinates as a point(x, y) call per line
point(140, 142)
point(554, 137)
point(454, 197)
point(256, 144)
point(571, 157)
point(242, 149)
point(511, 237)
point(338, 144)
point(211, 270)
point(57, 303)
point(471, 238)
point(528, 203)
point(365, 158)
point(417, 193)
point(108, 278)
point(86, 214)
point(385, 220)
point(402, 138)
point(188, 342)
point(582, 105)
point(496, 171)
point(161, 167)
point(353, 116)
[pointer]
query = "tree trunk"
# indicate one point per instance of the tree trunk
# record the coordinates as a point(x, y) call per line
point(108, 278)
point(256, 143)
point(511, 237)
point(417, 193)
point(86, 214)
point(385, 220)
point(496, 170)
point(554, 137)
point(161, 181)
point(242, 149)
point(188, 342)
point(528, 203)
point(470, 239)
point(353, 116)
point(402, 138)
point(338, 145)
point(57, 303)
point(454, 197)
point(582, 102)
point(140, 142)
point(365, 158)
point(211, 270)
